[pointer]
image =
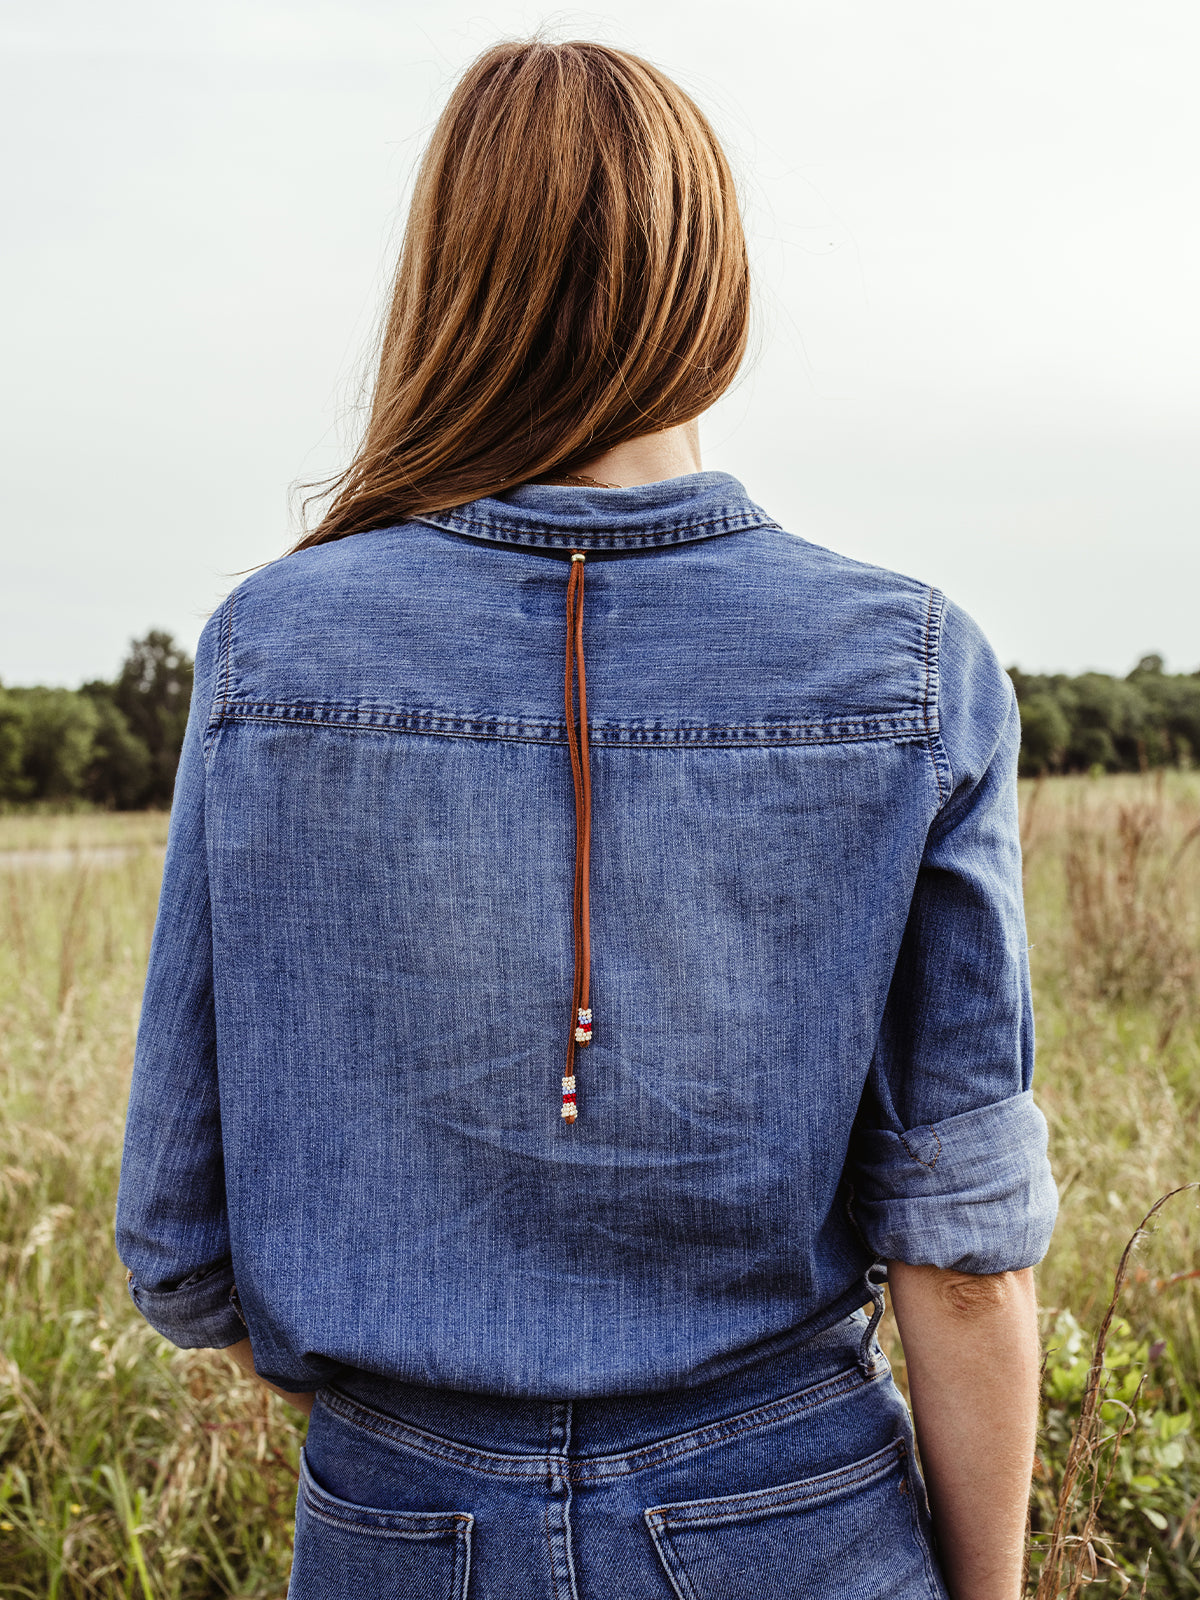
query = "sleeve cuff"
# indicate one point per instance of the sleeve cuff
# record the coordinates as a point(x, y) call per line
point(973, 1193)
point(201, 1313)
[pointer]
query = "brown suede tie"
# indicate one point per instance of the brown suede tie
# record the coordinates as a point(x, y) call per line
point(577, 739)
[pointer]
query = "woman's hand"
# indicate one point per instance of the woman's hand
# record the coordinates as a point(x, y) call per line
point(972, 1351)
point(244, 1356)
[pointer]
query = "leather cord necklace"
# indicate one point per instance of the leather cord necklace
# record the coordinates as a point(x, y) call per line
point(579, 1034)
point(580, 1031)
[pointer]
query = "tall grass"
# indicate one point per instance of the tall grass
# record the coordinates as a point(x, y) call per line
point(130, 1469)
point(127, 1468)
point(1113, 904)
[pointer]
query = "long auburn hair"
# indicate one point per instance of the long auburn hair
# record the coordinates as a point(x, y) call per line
point(573, 274)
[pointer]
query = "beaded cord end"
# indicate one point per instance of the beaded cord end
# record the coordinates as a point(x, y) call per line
point(580, 1027)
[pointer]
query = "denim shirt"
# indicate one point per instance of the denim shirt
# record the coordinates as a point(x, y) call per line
point(813, 1038)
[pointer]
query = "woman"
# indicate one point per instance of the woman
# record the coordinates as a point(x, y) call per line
point(591, 955)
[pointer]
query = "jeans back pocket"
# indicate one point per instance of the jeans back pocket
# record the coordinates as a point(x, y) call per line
point(854, 1534)
point(349, 1552)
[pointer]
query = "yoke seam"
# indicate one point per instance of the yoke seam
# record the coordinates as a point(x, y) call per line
point(887, 717)
point(737, 1508)
point(631, 1463)
point(754, 734)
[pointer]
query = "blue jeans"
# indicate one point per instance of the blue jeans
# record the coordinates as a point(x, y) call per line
point(794, 1477)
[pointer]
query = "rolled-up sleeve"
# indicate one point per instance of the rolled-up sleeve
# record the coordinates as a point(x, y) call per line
point(172, 1228)
point(949, 1162)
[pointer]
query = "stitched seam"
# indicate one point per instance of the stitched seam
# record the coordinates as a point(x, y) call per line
point(678, 1579)
point(909, 721)
point(638, 1460)
point(428, 1444)
point(752, 1505)
point(934, 660)
point(599, 743)
point(462, 1560)
point(434, 1525)
point(551, 1563)
point(625, 1465)
point(930, 1165)
point(228, 653)
point(361, 727)
point(915, 1488)
point(717, 1433)
point(727, 520)
point(887, 724)
point(868, 727)
point(768, 735)
point(382, 1531)
point(216, 709)
point(929, 734)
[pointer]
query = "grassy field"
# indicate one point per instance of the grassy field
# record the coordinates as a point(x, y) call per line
point(128, 1468)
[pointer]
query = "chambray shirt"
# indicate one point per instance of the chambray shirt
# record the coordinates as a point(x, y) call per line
point(813, 1039)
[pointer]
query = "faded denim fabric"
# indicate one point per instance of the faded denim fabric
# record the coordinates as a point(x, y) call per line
point(813, 1040)
point(795, 1476)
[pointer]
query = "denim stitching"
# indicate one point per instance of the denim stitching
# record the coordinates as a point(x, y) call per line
point(929, 1165)
point(549, 1538)
point(678, 1579)
point(558, 1488)
point(873, 730)
point(462, 1559)
point(228, 651)
point(434, 1531)
point(455, 1523)
point(937, 777)
point(506, 532)
point(716, 1433)
point(738, 1508)
point(913, 721)
point(624, 1464)
point(933, 660)
point(599, 743)
point(220, 694)
point(915, 1487)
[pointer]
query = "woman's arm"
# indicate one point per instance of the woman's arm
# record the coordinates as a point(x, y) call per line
point(244, 1356)
point(172, 1224)
point(972, 1351)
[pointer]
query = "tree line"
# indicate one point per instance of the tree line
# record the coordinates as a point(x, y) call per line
point(114, 745)
point(1098, 723)
point(117, 744)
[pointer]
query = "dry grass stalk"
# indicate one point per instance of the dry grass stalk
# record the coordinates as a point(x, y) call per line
point(1070, 1560)
point(1132, 918)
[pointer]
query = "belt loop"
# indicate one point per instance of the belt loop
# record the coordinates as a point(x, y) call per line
point(873, 1280)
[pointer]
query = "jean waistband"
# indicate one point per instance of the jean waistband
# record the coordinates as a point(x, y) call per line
point(842, 1357)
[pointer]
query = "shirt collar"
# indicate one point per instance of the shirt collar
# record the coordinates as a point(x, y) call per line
point(672, 511)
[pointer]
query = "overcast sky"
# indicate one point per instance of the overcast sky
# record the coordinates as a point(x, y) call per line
point(976, 243)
